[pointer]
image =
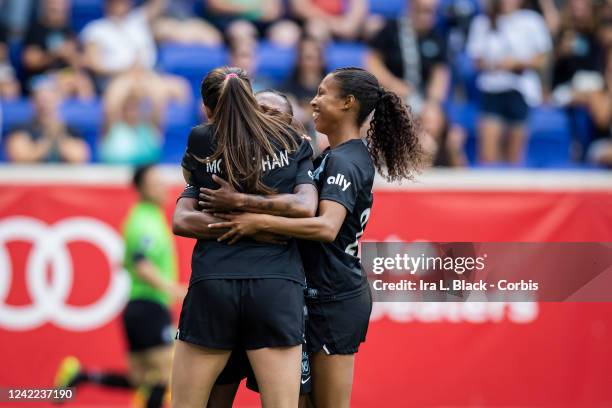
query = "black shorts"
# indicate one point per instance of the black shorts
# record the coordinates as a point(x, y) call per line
point(509, 106)
point(147, 324)
point(339, 326)
point(238, 368)
point(243, 314)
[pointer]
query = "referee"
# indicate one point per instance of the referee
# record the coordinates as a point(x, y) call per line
point(150, 260)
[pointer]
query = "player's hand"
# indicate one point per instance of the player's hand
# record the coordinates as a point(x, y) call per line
point(178, 292)
point(238, 225)
point(225, 198)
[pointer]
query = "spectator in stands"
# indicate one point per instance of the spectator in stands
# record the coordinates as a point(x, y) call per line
point(408, 56)
point(243, 55)
point(51, 48)
point(46, 138)
point(605, 24)
point(509, 45)
point(326, 19)
point(179, 25)
point(134, 110)
point(242, 20)
point(444, 144)
point(306, 77)
point(9, 86)
point(578, 54)
point(16, 15)
point(599, 104)
point(122, 43)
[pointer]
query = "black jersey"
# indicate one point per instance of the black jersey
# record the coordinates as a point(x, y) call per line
point(246, 258)
point(345, 175)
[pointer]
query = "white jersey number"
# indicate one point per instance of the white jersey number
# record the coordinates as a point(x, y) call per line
point(352, 249)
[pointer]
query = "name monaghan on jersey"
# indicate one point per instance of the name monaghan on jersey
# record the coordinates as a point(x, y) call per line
point(340, 180)
point(267, 164)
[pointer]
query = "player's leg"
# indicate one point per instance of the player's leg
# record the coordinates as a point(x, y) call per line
point(226, 386)
point(208, 331)
point(277, 373)
point(273, 326)
point(156, 364)
point(332, 379)
point(335, 331)
point(194, 371)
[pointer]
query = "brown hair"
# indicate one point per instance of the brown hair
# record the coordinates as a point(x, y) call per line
point(244, 133)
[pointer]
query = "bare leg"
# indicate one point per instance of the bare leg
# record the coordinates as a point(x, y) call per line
point(516, 144)
point(490, 134)
point(332, 378)
point(278, 375)
point(194, 371)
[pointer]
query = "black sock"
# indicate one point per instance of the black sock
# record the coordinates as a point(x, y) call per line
point(110, 380)
point(78, 379)
point(156, 396)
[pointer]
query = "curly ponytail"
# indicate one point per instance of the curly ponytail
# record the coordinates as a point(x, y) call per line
point(393, 136)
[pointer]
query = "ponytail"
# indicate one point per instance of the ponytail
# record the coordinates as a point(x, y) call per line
point(244, 133)
point(393, 137)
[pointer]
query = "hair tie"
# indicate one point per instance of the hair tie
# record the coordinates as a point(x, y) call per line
point(231, 75)
point(381, 92)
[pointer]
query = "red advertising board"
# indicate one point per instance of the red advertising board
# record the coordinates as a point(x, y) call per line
point(61, 291)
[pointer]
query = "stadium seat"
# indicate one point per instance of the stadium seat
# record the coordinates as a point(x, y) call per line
point(179, 121)
point(464, 75)
point(190, 61)
point(466, 116)
point(274, 62)
point(15, 113)
point(549, 138)
point(87, 118)
point(84, 11)
point(387, 8)
point(15, 49)
point(345, 55)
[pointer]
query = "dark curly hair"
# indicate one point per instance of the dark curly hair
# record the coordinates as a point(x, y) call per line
point(393, 136)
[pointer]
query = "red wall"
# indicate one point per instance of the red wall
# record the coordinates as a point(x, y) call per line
point(416, 354)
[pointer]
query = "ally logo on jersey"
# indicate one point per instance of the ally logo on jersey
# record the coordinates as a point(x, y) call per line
point(340, 180)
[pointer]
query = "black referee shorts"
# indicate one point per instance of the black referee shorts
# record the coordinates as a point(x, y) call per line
point(339, 326)
point(147, 324)
point(243, 314)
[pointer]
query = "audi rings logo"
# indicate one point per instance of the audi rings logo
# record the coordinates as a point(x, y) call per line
point(49, 247)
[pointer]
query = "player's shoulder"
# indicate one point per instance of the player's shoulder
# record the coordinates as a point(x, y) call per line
point(203, 131)
point(201, 137)
point(354, 151)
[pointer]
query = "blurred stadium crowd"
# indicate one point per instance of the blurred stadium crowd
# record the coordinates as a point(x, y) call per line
point(495, 82)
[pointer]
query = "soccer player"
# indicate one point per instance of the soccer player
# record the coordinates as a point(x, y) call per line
point(338, 297)
point(150, 260)
point(237, 368)
point(248, 296)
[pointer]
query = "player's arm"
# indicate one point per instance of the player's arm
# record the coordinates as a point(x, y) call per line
point(189, 222)
point(149, 273)
point(323, 227)
point(302, 203)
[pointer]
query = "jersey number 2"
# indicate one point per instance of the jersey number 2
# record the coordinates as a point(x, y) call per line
point(352, 249)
